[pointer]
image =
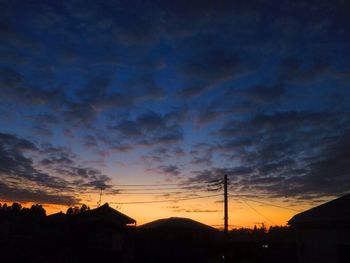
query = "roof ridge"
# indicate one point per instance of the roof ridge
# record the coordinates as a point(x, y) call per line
point(324, 211)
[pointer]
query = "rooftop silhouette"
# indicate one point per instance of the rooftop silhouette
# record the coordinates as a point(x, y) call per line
point(334, 211)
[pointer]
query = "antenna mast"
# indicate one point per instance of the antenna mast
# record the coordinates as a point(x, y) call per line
point(99, 201)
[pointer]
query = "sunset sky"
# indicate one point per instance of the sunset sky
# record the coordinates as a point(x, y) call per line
point(157, 100)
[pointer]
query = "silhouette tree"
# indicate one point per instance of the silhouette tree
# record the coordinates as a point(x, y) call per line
point(70, 211)
point(16, 208)
point(4, 207)
point(76, 210)
point(37, 211)
point(84, 208)
point(3, 210)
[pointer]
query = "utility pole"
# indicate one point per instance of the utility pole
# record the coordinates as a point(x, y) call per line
point(225, 205)
point(225, 218)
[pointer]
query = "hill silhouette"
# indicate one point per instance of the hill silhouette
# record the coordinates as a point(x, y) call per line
point(179, 223)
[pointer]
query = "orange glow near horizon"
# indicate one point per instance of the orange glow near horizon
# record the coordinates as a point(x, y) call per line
point(242, 214)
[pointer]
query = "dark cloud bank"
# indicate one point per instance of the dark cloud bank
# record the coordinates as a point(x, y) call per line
point(257, 90)
point(55, 178)
point(286, 154)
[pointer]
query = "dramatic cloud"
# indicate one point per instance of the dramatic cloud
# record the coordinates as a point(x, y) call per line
point(189, 90)
point(286, 154)
point(149, 128)
point(37, 196)
point(169, 170)
point(16, 168)
point(208, 69)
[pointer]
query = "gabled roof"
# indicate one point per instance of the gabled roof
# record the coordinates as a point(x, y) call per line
point(335, 211)
point(56, 217)
point(107, 213)
point(177, 223)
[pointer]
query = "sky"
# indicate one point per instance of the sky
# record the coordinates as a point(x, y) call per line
point(157, 100)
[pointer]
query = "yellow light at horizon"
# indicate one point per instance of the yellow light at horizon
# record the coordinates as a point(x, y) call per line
point(204, 210)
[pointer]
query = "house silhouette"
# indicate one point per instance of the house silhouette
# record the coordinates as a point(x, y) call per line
point(102, 234)
point(323, 232)
point(105, 214)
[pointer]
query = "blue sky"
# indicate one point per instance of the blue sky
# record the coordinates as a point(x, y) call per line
point(112, 92)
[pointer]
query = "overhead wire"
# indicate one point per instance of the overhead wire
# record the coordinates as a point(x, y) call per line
point(181, 188)
point(201, 186)
point(156, 189)
point(167, 184)
point(257, 212)
point(210, 186)
point(165, 201)
point(158, 193)
point(266, 203)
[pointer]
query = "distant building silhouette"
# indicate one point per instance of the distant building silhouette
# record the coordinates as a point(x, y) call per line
point(106, 214)
point(323, 232)
point(101, 234)
point(97, 235)
point(105, 235)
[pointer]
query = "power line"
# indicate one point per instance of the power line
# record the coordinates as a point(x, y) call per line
point(165, 184)
point(178, 190)
point(222, 226)
point(164, 201)
point(191, 187)
point(161, 188)
point(256, 211)
point(159, 193)
point(268, 204)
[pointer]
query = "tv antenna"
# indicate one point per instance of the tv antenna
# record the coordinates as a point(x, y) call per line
point(99, 201)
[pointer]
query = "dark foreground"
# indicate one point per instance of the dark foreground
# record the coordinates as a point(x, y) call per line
point(31, 236)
